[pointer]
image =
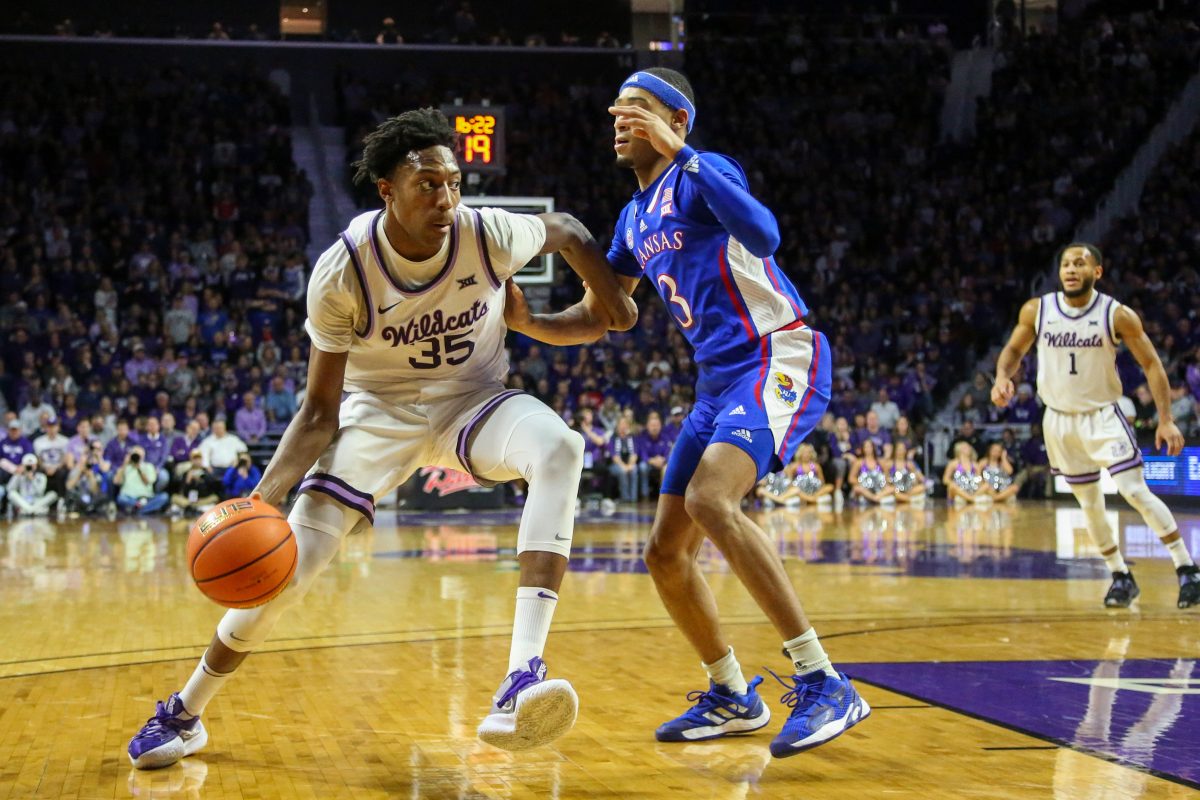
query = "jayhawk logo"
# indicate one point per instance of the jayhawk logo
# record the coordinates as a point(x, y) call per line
point(785, 388)
point(629, 237)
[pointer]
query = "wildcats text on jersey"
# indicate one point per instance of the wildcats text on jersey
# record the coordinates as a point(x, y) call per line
point(433, 324)
point(1072, 339)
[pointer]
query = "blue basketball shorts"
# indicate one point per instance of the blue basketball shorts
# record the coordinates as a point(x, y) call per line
point(767, 412)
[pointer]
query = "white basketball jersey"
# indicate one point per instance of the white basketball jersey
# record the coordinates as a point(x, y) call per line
point(402, 338)
point(1077, 353)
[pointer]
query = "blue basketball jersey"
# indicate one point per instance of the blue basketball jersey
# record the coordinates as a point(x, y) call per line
point(724, 299)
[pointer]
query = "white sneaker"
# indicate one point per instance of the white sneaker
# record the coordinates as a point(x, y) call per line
point(824, 501)
point(608, 507)
point(839, 501)
point(983, 499)
point(888, 500)
point(960, 501)
point(528, 710)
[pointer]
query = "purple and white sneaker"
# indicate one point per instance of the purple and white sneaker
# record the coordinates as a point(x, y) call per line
point(167, 736)
point(528, 710)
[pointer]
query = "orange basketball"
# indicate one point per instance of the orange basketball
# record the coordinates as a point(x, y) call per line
point(241, 553)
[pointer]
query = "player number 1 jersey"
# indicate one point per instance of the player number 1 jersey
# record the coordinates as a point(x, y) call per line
point(1077, 351)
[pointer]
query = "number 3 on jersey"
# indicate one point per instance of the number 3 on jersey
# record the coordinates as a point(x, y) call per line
point(685, 311)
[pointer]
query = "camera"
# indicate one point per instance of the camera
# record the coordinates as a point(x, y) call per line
point(244, 460)
point(135, 458)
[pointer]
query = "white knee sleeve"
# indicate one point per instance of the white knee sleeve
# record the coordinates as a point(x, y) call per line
point(1132, 485)
point(523, 438)
point(1091, 500)
point(244, 629)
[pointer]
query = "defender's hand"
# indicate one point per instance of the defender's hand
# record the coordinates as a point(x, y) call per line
point(516, 310)
point(1168, 434)
point(642, 123)
point(1002, 393)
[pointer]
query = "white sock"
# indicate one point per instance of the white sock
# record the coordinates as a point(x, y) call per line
point(726, 671)
point(808, 655)
point(1179, 553)
point(202, 687)
point(535, 609)
point(1116, 562)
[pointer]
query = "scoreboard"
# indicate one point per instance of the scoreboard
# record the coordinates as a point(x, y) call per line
point(481, 134)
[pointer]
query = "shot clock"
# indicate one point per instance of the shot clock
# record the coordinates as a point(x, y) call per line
point(480, 132)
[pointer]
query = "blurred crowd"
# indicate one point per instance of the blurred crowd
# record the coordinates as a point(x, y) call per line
point(152, 269)
point(153, 226)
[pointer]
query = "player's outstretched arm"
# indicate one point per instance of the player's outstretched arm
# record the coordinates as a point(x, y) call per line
point(1128, 327)
point(1022, 339)
point(310, 431)
point(568, 236)
point(582, 323)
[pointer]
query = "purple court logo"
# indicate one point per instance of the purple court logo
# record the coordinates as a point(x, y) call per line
point(785, 389)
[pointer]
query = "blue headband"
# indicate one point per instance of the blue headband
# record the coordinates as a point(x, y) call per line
point(663, 91)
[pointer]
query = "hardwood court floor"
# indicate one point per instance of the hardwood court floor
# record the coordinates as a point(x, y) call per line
point(977, 636)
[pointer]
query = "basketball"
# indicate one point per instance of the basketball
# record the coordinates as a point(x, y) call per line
point(241, 553)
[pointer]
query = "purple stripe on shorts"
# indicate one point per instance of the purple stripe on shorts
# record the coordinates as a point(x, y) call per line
point(341, 491)
point(1136, 461)
point(465, 434)
point(1041, 315)
point(1090, 477)
point(1128, 428)
point(362, 283)
point(481, 241)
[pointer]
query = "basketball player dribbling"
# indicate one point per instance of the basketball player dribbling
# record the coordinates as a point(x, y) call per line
point(706, 244)
point(1077, 332)
point(405, 314)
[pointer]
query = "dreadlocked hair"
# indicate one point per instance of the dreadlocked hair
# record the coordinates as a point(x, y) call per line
point(388, 145)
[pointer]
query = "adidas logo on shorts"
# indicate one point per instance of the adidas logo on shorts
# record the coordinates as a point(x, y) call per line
point(742, 433)
point(740, 411)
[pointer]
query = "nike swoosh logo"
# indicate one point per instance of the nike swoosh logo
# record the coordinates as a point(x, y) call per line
point(188, 734)
point(560, 538)
point(237, 638)
point(547, 596)
point(383, 310)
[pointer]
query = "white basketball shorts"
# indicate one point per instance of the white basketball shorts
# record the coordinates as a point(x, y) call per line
point(1080, 444)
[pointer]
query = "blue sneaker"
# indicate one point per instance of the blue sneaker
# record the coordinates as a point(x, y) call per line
point(823, 708)
point(718, 712)
point(528, 710)
point(166, 738)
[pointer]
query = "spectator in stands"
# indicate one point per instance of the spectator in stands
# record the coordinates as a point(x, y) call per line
point(240, 479)
point(595, 439)
point(653, 449)
point(875, 433)
point(885, 409)
point(135, 480)
point(13, 448)
point(32, 413)
point(198, 489)
point(79, 445)
point(967, 410)
point(250, 421)
point(1036, 464)
point(27, 491)
point(1183, 407)
point(157, 452)
point(841, 446)
point(966, 433)
point(623, 459)
point(902, 434)
point(186, 443)
point(221, 448)
point(388, 33)
point(118, 447)
point(280, 404)
point(1025, 408)
point(674, 425)
point(1146, 413)
point(51, 451)
point(88, 485)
